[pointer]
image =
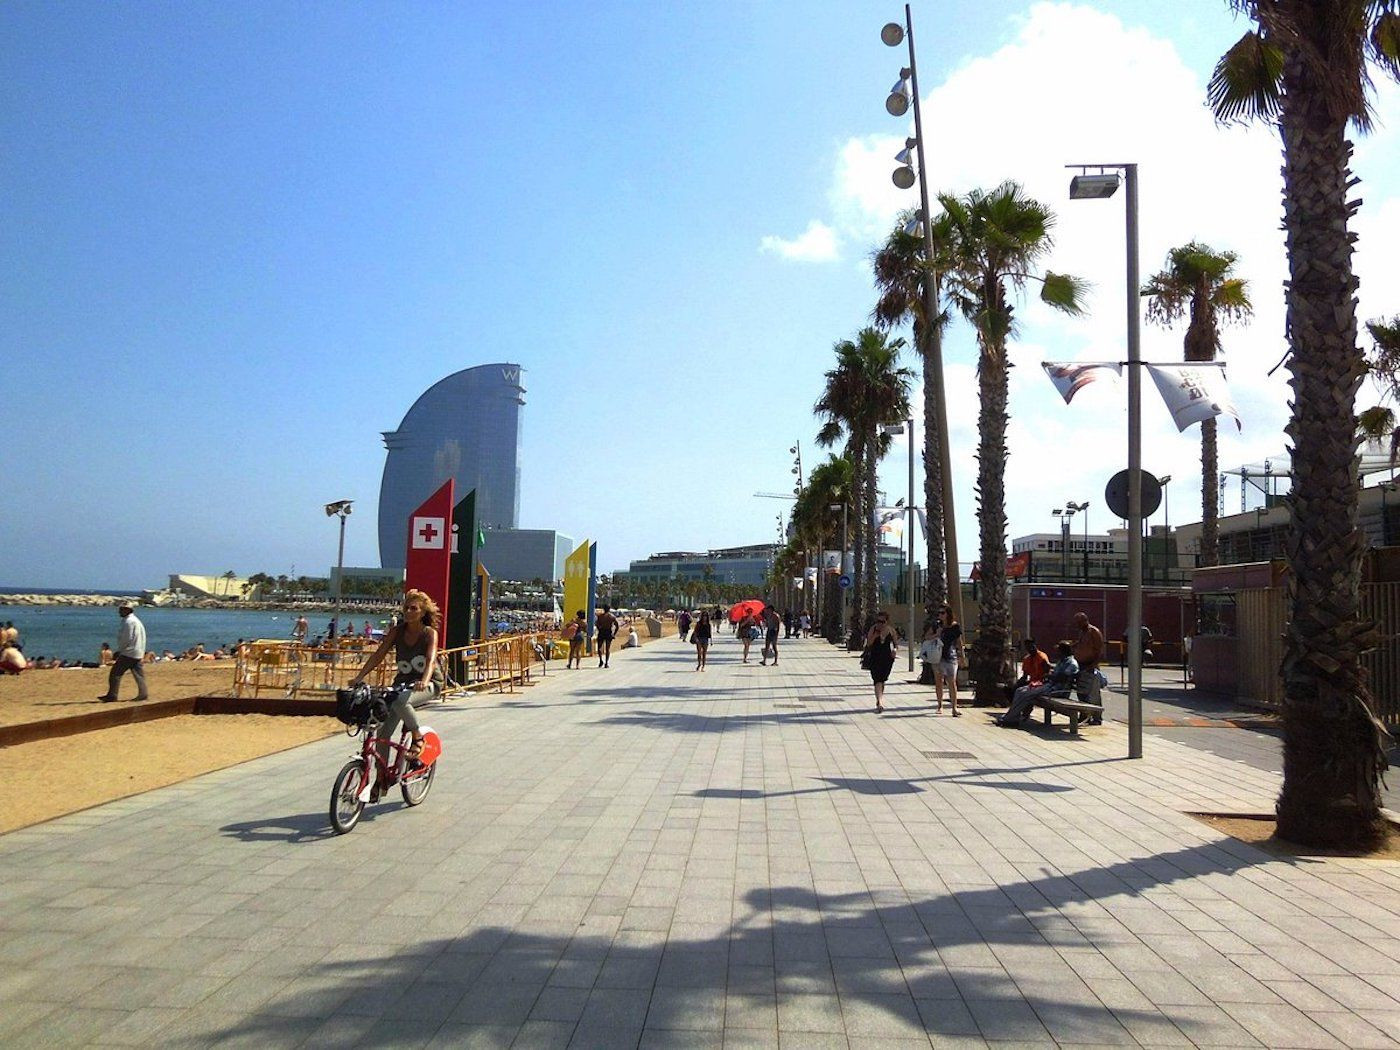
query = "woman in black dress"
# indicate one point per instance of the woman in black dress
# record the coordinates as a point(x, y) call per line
point(881, 644)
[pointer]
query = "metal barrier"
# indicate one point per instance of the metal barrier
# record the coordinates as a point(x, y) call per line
point(290, 670)
point(503, 662)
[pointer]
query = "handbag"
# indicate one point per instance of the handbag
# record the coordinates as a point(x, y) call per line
point(865, 659)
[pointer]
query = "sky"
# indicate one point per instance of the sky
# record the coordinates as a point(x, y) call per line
point(239, 240)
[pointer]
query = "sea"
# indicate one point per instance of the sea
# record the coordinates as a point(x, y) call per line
point(72, 632)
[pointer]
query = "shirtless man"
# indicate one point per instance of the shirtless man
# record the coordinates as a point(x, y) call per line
point(605, 626)
point(1088, 651)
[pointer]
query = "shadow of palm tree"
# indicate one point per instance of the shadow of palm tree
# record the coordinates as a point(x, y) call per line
point(1012, 962)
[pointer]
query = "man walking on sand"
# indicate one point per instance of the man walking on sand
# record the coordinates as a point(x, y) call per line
point(131, 650)
point(1088, 651)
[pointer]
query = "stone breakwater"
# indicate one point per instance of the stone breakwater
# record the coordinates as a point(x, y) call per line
point(91, 600)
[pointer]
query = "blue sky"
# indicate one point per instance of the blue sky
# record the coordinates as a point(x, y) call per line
point(241, 239)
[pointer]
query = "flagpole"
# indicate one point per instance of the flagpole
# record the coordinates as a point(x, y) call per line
point(1130, 172)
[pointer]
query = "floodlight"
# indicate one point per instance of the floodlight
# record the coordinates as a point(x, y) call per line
point(915, 226)
point(898, 103)
point(905, 157)
point(903, 177)
point(1091, 187)
point(340, 506)
point(892, 34)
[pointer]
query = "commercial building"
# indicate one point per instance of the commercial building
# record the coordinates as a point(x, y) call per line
point(742, 565)
point(525, 554)
point(465, 427)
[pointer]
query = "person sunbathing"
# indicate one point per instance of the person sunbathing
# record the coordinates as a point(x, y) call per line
point(12, 661)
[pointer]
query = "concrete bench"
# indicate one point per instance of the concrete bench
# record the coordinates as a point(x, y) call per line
point(1076, 710)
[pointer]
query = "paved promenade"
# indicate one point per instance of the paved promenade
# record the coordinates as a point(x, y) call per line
point(749, 857)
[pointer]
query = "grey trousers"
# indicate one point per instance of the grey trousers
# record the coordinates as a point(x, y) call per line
point(401, 711)
point(121, 665)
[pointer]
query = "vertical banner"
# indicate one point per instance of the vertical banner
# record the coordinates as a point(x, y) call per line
point(463, 573)
point(1194, 392)
point(576, 589)
point(592, 592)
point(430, 550)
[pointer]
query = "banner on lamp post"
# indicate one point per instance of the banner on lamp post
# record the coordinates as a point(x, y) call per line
point(1195, 392)
point(1070, 377)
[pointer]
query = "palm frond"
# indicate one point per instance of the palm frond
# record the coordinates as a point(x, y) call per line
point(1375, 423)
point(1064, 292)
point(1246, 83)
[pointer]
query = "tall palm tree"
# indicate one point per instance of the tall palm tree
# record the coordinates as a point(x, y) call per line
point(867, 387)
point(1198, 280)
point(1306, 65)
point(907, 283)
point(997, 237)
point(829, 485)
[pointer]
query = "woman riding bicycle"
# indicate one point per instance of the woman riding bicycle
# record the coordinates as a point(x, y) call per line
point(418, 680)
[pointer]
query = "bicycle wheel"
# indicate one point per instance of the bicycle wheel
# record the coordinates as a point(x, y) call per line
point(346, 806)
point(415, 785)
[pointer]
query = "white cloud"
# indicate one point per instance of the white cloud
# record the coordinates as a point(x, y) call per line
point(1076, 85)
point(816, 244)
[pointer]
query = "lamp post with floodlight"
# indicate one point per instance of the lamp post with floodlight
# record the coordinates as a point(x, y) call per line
point(905, 92)
point(341, 509)
point(1091, 186)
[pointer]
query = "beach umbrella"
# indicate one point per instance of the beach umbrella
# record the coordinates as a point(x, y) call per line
point(748, 605)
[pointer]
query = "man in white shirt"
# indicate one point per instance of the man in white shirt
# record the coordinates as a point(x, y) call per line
point(130, 651)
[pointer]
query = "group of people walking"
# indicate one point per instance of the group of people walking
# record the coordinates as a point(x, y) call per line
point(941, 650)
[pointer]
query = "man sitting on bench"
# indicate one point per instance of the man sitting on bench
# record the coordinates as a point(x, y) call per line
point(1060, 681)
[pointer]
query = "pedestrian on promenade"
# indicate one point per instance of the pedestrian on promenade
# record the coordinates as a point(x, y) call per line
point(881, 644)
point(683, 623)
point(945, 672)
point(131, 650)
point(605, 626)
point(805, 625)
point(577, 633)
point(1088, 651)
point(701, 637)
point(772, 624)
point(748, 631)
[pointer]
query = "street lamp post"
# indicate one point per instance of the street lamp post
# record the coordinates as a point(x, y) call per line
point(1168, 554)
point(904, 93)
point(1090, 186)
point(341, 509)
point(908, 427)
point(1082, 508)
point(1063, 516)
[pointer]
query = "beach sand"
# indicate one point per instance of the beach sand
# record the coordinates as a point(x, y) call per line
point(48, 778)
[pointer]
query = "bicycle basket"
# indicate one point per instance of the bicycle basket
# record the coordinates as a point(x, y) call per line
point(355, 707)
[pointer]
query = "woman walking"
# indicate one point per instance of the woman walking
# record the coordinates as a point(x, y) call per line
point(945, 672)
point(881, 644)
point(577, 633)
point(748, 631)
point(701, 637)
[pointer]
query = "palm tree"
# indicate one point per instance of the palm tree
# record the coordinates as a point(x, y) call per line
point(1378, 423)
point(865, 389)
point(996, 240)
point(1197, 280)
point(1306, 65)
point(907, 283)
point(828, 485)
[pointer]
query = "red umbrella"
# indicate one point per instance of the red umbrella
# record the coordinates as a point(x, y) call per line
point(749, 605)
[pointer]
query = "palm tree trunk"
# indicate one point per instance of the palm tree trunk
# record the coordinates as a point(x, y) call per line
point(872, 535)
point(936, 589)
point(858, 514)
point(1333, 753)
point(990, 662)
point(1210, 496)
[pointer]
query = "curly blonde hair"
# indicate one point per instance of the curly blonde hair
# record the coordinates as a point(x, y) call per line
point(431, 613)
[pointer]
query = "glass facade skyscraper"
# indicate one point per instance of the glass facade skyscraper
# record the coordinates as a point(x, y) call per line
point(465, 427)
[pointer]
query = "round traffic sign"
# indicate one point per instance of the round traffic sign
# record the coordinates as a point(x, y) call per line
point(844, 581)
point(1116, 493)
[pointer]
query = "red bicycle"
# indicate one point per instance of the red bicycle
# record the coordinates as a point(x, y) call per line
point(368, 776)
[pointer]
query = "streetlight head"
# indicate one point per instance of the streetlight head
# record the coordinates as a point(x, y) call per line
point(340, 506)
point(915, 226)
point(1164, 479)
point(905, 157)
point(898, 103)
point(892, 34)
point(1057, 512)
point(1092, 187)
point(903, 177)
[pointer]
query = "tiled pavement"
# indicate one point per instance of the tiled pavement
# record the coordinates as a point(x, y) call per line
point(750, 857)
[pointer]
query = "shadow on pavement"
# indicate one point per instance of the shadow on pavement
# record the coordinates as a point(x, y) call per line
point(998, 963)
point(300, 827)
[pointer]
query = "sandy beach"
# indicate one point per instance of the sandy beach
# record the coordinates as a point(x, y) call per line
point(91, 768)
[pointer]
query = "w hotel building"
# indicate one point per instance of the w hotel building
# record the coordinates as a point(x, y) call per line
point(465, 427)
